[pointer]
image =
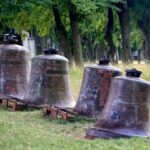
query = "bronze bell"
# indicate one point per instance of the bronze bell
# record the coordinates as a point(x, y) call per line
point(95, 87)
point(14, 68)
point(49, 81)
point(127, 110)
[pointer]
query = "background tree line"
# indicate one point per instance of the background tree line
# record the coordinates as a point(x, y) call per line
point(82, 29)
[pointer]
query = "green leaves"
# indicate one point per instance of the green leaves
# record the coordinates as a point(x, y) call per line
point(37, 14)
point(45, 3)
point(84, 5)
point(40, 18)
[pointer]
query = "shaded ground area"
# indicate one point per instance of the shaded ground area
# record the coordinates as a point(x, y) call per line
point(30, 131)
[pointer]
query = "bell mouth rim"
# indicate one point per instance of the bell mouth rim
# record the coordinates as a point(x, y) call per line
point(111, 134)
point(66, 106)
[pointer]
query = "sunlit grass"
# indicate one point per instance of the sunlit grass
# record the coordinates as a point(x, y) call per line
point(31, 131)
point(76, 75)
point(145, 68)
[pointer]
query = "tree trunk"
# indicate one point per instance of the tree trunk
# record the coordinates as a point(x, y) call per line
point(100, 51)
point(124, 20)
point(147, 44)
point(1, 27)
point(64, 46)
point(44, 43)
point(90, 48)
point(139, 56)
point(77, 47)
point(144, 27)
point(108, 35)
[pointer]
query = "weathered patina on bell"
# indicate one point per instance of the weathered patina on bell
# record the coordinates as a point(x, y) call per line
point(95, 87)
point(127, 110)
point(49, 81)
point(14, 68)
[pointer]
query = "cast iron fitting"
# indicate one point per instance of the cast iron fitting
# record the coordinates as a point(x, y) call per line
point(133, 73)
point(10, 39)
point(104, 61)
point(50, 51)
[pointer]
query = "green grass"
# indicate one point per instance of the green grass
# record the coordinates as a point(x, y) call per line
point(145, 68)
point(31, 131)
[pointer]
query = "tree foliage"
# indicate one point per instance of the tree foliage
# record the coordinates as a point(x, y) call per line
point(91, 18)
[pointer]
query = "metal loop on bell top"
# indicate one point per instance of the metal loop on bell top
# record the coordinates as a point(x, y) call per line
point(50, 51)
point(9, 38)
point(133, 73)
point(104, 61)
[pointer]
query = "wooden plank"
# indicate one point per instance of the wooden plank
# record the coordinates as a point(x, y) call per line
point(1, 101)
point(5, 103)
point(53, 112)
point(63, 114)
point(50, 111)
point(46, 111)
point(14, 107)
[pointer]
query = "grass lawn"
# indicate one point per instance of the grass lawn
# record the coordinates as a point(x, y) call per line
point(31, 131)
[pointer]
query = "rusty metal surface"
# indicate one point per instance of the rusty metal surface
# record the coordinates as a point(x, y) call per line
point(49, 81)
point(94, 89)
point(14, 70)
point(127, 110)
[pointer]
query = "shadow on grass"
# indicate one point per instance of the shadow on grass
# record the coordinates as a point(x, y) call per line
point(79, 119)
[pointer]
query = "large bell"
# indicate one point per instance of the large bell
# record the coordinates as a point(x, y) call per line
point(14, 68)
point(95, 87)
point(127, 110)
point(49, 82)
